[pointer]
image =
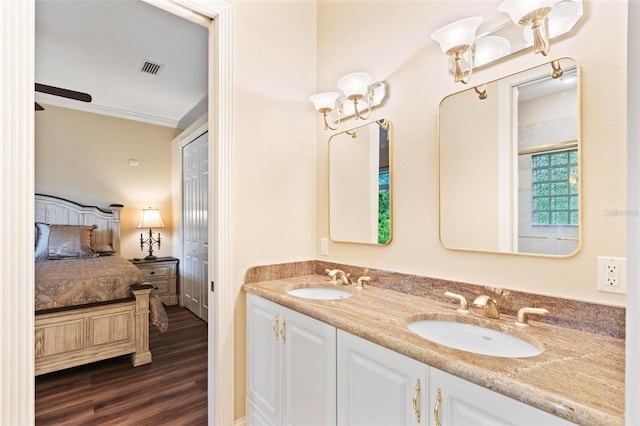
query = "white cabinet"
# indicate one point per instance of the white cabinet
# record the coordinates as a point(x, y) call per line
point(293, 361)
point(468, 404)
point(291, 367)
point(377, 386)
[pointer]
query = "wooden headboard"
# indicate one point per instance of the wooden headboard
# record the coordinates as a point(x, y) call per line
point(58, 211)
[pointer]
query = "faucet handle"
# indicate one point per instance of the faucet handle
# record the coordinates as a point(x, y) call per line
point(360, 283)
point(522, 318)
point(464, 306)
point(332, 274)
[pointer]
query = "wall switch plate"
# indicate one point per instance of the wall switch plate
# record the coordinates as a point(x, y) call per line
point(324, 246)
point(612, 274)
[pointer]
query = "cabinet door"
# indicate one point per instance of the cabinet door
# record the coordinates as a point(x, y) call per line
point(377, 386)
point(468, 404)
point(263, 358)
point(308, 370)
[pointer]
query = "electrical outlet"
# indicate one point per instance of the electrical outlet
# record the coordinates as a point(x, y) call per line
point(324, 246)
point(612, 274)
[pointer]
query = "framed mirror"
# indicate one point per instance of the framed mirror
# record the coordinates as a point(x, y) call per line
point(509, 157)
point(360, 173)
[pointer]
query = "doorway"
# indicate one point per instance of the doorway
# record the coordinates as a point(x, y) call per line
point(17, 124)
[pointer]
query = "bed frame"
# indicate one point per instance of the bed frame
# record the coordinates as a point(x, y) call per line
point(76, 336)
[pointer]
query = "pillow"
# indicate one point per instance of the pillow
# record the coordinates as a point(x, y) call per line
point(70, 241)
point(104, 250)
point(42, 241)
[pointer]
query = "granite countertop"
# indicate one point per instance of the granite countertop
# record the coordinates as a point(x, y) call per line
point(579, 376)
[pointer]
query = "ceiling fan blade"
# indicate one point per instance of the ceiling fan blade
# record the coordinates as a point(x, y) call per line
point(65, 93)
point(39, 107)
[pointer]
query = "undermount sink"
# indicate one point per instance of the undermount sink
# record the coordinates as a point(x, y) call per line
point(319, 293)
point(473, 338)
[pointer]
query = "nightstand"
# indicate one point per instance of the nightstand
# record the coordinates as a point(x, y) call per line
point(162, 273)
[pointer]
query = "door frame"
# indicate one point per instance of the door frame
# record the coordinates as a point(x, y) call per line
point(217, 16)
point(17, 56)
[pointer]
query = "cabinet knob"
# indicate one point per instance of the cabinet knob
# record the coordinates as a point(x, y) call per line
point(152, 273)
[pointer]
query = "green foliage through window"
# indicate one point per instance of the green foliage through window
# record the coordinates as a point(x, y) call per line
point(384, 208)
point(554, 179)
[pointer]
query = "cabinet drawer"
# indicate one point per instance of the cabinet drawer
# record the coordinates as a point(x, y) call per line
point(160, 287)
point(156, 272)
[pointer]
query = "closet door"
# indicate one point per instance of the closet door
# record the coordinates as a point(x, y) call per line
point(195, 207)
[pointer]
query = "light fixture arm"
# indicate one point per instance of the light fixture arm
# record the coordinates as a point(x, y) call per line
point(458, 72)
point(369, 102)
point(328, 126)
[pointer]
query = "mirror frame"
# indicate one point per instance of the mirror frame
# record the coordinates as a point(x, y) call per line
point(580, 163)
point(391, 172)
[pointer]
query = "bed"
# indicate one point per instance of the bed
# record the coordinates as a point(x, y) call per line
point(90, 304)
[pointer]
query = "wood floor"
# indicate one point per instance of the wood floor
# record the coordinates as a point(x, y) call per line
point(171, 390)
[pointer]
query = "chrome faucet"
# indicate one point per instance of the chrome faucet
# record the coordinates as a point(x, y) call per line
point(488, 306)
point(338, 276)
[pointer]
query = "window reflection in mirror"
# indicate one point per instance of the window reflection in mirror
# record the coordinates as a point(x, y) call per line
point(509, 164)
point(360, 184)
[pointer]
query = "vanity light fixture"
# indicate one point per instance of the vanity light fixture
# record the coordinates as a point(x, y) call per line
point(533, 14)
point(359, 97)
point(531, 23)
point(457, 39)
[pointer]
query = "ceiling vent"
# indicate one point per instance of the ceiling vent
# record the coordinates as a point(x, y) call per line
point(150, 67)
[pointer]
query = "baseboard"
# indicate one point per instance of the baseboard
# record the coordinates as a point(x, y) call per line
point(240, 422)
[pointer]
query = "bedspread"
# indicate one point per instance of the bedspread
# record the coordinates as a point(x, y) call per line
point(73, 282)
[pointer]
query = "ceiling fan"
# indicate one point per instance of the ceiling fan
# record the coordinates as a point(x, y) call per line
point(65, 93)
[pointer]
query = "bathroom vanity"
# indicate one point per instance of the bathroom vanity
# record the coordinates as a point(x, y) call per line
point(354, 361)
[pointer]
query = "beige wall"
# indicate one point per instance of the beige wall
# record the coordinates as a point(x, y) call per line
point(393, 44)
point(84, 157)
point(274, 144)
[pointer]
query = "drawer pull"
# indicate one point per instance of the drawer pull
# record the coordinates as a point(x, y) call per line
point(283, 331)
point(436, 408)
point(152, 273)
point(275, 327)
point(416, 394)
point(155, 288)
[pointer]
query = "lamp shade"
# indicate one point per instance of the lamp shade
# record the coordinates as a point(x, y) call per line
point(490, 48)
point(562, 18)
point(517, 9)
point(458, 33)
point(325, 101)
point(150, 219)
point(355, 84)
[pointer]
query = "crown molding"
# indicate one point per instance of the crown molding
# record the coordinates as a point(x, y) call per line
point(46, 99)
